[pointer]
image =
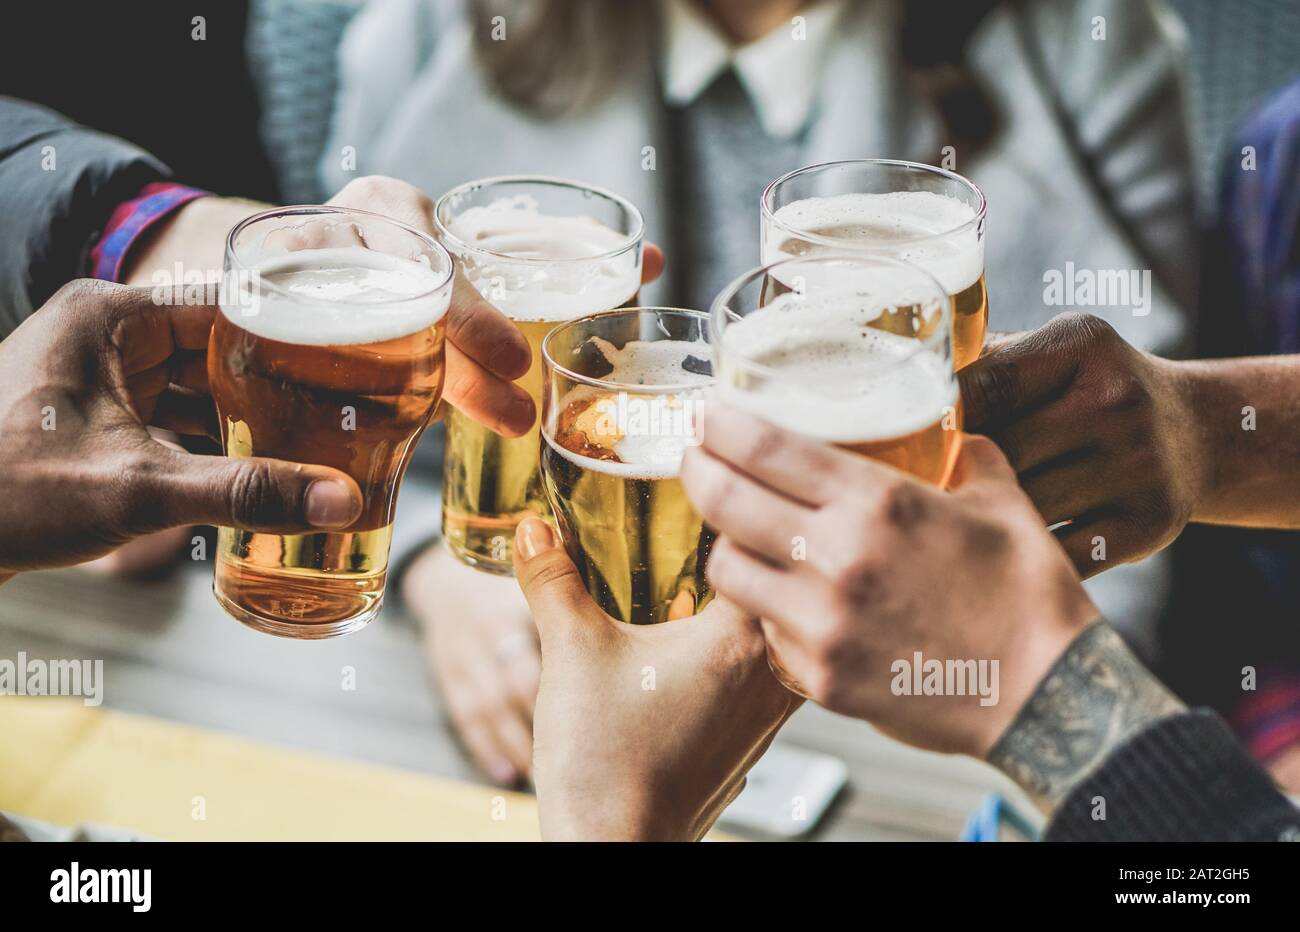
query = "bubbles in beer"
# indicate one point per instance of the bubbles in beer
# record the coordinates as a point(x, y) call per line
point(633, 434)
point(512, 232)
point(828, 372)
point(338, 296)
point(908, 225)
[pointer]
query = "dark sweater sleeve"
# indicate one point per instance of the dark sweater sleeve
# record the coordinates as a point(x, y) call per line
point(1183, 778)
point(59, 183)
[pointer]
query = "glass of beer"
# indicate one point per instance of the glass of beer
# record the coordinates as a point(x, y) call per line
point(328, 350)
point(853, 349)
point(543, 251)
point(919, 213)
point(621, 402)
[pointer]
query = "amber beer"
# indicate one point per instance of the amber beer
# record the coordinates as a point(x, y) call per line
point(622, 402)
point(859, 359)
point(544, 252)
point(917, 213)
point(326, 352)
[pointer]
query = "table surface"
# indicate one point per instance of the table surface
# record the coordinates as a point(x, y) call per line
point(170, 652)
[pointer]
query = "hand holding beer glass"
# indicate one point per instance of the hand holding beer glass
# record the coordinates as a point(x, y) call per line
point(543, 251)
point(622, 397)
point(904, 210)
point(328, 349)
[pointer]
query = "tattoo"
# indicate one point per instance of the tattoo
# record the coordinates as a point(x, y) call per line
point(1096, 695)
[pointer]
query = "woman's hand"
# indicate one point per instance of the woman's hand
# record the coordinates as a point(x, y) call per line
point(482, 649)
point(640, 732)
point(856, 567)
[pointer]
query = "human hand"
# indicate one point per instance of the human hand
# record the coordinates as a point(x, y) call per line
point(83, 378)
point(1099, 433)
point(889, 566)
point(641, 732)
point(482, 648)
point(485, 352)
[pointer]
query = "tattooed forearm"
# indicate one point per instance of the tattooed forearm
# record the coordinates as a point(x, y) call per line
point(1096, 694)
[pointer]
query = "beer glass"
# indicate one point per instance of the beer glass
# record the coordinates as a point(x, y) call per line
point(621, 398)
point(919, 213)
point(328, 350)
point(543, 251)
point(849, 348)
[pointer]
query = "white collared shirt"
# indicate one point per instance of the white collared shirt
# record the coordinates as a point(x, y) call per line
point(779, 72)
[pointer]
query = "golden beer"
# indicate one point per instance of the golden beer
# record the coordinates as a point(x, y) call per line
point(330, 356)
point(920, 214)
point(543, 252)
point(859, 358)
point(623, 392)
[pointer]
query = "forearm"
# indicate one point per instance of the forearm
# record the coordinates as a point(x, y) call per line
point(1095, 696)
point(189, 243)
point(1246, 423)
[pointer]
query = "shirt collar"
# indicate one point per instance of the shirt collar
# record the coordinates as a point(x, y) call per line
point(778, 72)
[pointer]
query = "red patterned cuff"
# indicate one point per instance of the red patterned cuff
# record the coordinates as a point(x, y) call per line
point(1268, 719)
point(131, 219)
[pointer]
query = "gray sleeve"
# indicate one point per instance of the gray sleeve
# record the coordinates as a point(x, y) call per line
point(1182, 778)
point(59, 183)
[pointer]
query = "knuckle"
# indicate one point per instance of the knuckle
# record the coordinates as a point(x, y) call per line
point(550, 572)
point(1125, 394)
point(856, 582)
point(254, 496)
point(139, 508)
point(993, 384)
point(902, 504)
point(1088, 330)
point(1158, 509)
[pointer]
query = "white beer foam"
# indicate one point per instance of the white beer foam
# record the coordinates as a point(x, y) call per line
point(340, 296)
point(840, 381)
point(654, 437)
point(890, 224)
point(514, 228)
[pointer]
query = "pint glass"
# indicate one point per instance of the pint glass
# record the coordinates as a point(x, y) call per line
point(919, 213)
point(852, 349)
point(543, 251)
point(328, 350)
point(622, 394)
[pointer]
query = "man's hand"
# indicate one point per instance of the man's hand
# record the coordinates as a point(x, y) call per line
point(82, 379)
point(1100, 435)
point(642, 733)
point(855, 566)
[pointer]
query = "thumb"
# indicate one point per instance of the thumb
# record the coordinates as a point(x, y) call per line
point(252, 493)
point(981, 464)
point(549, 580)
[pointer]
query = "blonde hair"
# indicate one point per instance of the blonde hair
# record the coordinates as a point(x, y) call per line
point(562, 55)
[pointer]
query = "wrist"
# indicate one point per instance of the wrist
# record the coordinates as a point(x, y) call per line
point(1199, 395)
point(190, 241)
point(1093, 697)
point(632, 816)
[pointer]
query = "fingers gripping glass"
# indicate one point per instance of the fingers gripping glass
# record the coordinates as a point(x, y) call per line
point(328, 350)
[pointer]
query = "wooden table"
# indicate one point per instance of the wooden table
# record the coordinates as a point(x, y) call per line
point(170, 652)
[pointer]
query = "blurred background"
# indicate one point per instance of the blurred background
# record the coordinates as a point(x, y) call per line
point(250, 111)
